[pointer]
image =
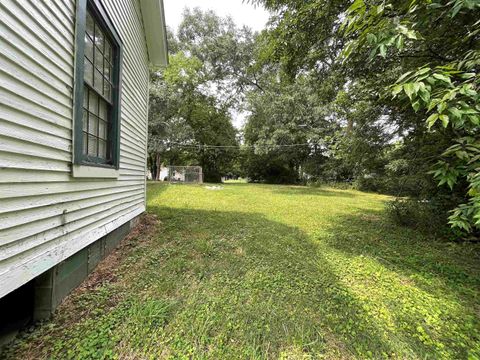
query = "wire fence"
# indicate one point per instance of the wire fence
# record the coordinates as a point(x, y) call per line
point(185, 174)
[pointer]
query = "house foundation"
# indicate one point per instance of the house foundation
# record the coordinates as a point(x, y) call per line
point(38, 299)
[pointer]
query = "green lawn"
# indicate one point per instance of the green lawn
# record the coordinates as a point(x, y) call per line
point(258, 271)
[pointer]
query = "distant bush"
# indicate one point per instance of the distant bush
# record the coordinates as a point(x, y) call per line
point(416, 185)
point(408, 185)
point(427, 216)
point(370, 183)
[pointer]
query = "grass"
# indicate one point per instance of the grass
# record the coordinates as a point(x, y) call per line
point(258, 271)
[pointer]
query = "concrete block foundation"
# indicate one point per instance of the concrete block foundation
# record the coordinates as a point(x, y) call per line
point(38, 299)
point(55, 284)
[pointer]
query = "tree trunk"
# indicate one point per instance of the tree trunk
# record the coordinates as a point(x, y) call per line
point(159, 166)
point(349, 126)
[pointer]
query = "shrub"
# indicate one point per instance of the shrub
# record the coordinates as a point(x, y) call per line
point(424, 215)
point(371, 183)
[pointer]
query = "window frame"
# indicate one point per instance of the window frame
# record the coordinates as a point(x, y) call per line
point(100, 16)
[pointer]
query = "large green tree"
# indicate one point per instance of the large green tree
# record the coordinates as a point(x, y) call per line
point(439, 43)
point(183, 120)
point(287, 129)
point(425, 54)
point(193, 99)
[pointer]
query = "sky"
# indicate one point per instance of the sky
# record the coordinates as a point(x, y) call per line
point(241, 12)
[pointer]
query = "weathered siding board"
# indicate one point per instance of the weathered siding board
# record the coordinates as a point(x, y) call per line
point(12, 47)
point(9, 144)
point(32, 106)
point(21, 73)
point(23, 16)
point(85, 217)
point(31, 39)
point(21, 161)
point(11, 116)
point(10, 205)
point(52, 137)
point(10, 220)
point(74, 230)
point(70, 244)
point(47, 215)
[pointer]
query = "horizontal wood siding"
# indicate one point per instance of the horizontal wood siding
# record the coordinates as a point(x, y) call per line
point(46, 215)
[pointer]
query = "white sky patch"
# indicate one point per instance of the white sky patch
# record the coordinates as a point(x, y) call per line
point(239, 118)
point(242, 13)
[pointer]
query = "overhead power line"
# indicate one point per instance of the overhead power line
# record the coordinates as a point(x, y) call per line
point(203, 146)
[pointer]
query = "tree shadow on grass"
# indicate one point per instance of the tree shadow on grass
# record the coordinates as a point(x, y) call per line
point(296, 190)
point(430, 286)
point(258, 288)
point(407, 251)
point(238, 285)
point(312, 191)
point(155, 188)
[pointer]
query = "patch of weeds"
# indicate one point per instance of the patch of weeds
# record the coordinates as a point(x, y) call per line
point(426, 216)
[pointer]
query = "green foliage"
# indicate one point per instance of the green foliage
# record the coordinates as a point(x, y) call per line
point(429, 216)
point(414, 64)
point(183, 71)
point(330, 184)
point(270, 167)
point(443, 90)
point(225, 50)
point(308, 98)
point(189, 101)
point(371, 183)
point(285, 127)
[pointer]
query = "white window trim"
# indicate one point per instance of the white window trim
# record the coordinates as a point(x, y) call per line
point(82, 171)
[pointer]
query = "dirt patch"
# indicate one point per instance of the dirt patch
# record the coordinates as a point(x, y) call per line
point(107, 271)
point(239, 251)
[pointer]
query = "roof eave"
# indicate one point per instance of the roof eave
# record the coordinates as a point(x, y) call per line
point(155, 31)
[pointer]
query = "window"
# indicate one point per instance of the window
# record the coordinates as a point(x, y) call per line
point(97, 88)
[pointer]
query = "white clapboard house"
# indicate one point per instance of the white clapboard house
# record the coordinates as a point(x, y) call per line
point(73, 134)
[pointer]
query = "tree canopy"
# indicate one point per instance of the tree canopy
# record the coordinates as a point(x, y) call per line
point(191, 99)
point(414, 66)
point(381, 94)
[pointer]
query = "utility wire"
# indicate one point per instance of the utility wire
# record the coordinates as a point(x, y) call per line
point(238, 146)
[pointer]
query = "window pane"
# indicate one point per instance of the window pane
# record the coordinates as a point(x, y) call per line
point(84, 143)
point(93, 103)
point(103, 110)
point(98, 90)
point(99, 38)
point(88, 48)
point(88, 72)
point(92, 145)
point(107, 90)
point(89, 25)
point(102, 130)
point(98, 60)
point(85, 120)
point(108, 50)
point(102, 149)
point(93, 125)
point(106, 71)
point(85, 97)
point(98, 81)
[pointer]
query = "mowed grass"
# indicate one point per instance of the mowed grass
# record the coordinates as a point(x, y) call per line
point(259, 271)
